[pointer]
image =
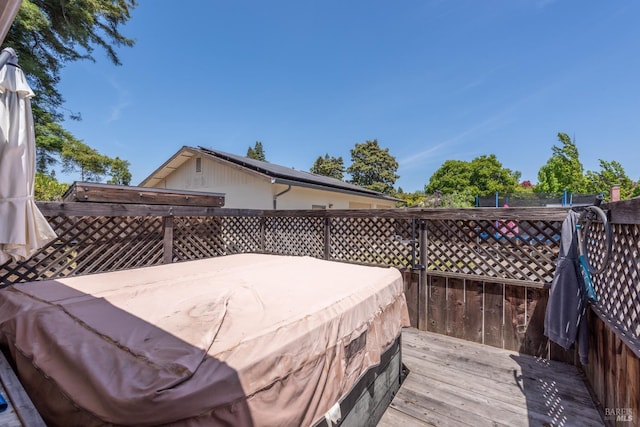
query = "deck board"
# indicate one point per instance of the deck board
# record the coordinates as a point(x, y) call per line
point(453, 382)
point(20, 410)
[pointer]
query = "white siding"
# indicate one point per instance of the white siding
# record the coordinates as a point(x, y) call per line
point(242, 190)
point(306, 198)
point(247, 190)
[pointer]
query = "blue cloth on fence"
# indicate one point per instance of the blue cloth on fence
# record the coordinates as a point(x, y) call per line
point(565, 318)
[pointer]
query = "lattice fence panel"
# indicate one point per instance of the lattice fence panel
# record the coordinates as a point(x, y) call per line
point(197, 238)
point(618, 286)
point(89, 245)
point(118, 243)
point(241, 234)
point(383, 241)
point(302, 236)
point(526, 250)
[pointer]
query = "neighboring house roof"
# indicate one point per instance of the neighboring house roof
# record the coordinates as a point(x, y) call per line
point(278, 174)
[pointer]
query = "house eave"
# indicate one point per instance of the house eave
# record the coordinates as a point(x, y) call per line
point(284, 181)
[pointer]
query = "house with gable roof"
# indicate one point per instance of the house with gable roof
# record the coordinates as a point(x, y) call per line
point(253, 184)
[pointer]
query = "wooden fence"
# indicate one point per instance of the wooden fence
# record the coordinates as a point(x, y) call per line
point(614, 321)
point(469, 243)
point(477, 274)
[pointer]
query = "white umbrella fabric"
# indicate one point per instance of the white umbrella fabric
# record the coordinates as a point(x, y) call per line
point(23, 228)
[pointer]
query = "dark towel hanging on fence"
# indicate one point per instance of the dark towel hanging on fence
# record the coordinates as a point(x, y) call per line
point(565, 318)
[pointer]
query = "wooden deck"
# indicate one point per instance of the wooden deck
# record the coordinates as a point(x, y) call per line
point(20, 410)
point(459, 383)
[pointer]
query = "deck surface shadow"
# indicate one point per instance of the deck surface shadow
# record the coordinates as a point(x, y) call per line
point(453, 382)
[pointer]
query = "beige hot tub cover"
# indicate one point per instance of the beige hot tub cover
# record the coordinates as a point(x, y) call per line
point(244, 340)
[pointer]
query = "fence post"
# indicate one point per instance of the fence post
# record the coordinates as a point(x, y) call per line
point(327, 237)
point(167, 239)
point(422, 282)
point(263, 226)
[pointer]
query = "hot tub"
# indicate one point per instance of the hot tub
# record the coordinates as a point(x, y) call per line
point(250, 339)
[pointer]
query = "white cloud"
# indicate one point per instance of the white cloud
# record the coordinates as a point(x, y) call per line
point(419, 157)
point(490, 123)
point(123, 101)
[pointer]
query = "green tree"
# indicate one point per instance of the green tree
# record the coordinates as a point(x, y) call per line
point(119, 171)
point(410, 199)
point(329, 166)
point(50, 140)
point(482, 176)
point(256, 152)
point(610, 173)
point(48, 34)
point(453, 176)
point(79, 157)
point(47, 188)
point(373, 167)
point(488, 176)
point(563, 170)
point(464, 199)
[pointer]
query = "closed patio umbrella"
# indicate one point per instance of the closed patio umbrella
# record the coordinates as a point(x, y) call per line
point(23, 228)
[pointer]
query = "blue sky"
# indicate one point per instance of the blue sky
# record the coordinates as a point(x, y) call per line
point(430, 80)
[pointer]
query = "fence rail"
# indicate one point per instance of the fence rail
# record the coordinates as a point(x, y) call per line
point(518, 246)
